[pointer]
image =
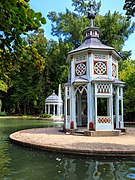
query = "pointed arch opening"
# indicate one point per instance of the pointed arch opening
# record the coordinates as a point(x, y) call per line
point(81, 105)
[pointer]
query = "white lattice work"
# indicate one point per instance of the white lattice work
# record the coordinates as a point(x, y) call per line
point(81, 58)
point(100, 67)
point(100, 56)
point(80, 69)
point(103, 88)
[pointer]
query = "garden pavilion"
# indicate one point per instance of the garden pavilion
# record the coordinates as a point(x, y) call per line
point(54, 105)
point(93, 93)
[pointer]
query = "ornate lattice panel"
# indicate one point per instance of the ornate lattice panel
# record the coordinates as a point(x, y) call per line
point(100, 67)
point(114, 70)
point(80, 69)
point(81, 58)
point(103, 88)
point(100, 56)
point(104, 119)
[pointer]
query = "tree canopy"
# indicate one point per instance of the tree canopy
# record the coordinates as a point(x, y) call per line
point(16, 19)
point(115, 30)
point(127, 74)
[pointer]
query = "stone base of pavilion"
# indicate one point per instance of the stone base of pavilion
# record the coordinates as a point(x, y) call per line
point(92, 133)
point(56, 140)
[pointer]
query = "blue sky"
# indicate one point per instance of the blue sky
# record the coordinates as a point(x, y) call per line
point(45, 6)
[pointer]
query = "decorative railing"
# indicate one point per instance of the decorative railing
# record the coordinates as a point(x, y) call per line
point(104, 119)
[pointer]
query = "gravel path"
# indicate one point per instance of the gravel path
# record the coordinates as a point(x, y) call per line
point(53, 140)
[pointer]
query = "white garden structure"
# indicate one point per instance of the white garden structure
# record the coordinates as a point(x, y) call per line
point(54, 105)
point(93, 93)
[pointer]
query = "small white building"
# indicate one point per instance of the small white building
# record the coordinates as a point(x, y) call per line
point(54, 105)
point(93, 93)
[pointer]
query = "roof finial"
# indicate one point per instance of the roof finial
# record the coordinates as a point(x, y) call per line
point(91, 15)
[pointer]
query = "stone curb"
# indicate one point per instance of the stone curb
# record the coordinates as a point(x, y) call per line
point(59, 149)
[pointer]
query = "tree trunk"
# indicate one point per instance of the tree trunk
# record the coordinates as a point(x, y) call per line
point(24, 110)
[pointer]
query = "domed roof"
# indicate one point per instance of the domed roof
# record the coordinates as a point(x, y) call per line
point(53, 98)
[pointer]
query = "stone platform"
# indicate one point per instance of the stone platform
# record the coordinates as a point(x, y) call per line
point(53, 139)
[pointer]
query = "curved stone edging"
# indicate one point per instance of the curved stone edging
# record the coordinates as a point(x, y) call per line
point(26, 138)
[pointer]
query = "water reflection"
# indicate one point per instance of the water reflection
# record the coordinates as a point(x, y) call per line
point(4, 161)
point(27, 164)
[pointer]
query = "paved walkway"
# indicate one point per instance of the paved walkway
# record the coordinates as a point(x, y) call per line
point(52, 139)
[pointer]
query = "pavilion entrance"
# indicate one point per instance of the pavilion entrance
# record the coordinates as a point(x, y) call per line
point(81, 107)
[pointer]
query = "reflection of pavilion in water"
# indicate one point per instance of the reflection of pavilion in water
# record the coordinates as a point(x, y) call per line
point(93, 170)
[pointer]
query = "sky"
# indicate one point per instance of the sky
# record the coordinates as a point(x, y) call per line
point(46, 6)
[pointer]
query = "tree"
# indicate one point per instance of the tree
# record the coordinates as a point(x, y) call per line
point(129, 6)
point(16, 18)
point(127, 74)
point(56, 70)
point(27, 79)
point(70, 25)
point(115, 30)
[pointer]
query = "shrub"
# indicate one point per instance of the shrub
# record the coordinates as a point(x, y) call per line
point(3, 114)
point(45, 115)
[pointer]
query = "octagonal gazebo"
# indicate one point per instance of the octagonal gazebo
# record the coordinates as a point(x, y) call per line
point(93, 93)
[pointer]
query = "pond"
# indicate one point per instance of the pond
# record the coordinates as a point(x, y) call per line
point(21, 163)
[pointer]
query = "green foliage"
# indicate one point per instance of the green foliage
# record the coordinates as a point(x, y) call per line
point(3, 114)
point(27, 79)
point(3, 86)
point(129, 6)
point(45, 115)
point(127, 74)
point(16, 18)
point(115, 30)
point(82, 5)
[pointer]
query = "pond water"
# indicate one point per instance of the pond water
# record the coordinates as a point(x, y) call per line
point(21, 163)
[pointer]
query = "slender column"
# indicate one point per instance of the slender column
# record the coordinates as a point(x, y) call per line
point(122, 120)
point(89, 104)
point(65, 109)
point(48, 108)
point(117, 108)
point(79, 110)
point(54, 109)
point(45, 108)
point(111, 111)
point(73, 106)
point(58, 110)
point(110, 66)
point(72, 70)
point(95, 113)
